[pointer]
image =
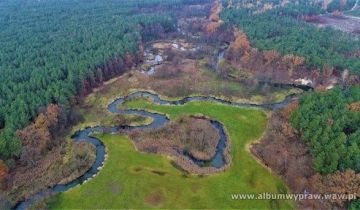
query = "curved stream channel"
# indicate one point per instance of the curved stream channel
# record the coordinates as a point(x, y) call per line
point(159, 120)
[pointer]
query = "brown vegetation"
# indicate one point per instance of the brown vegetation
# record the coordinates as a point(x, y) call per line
point(270, 65)
point(347, 182)
point(155, 198)
point(127, 120)
point(239, 47)
point(176, 79)
point(60, 165)
point(36, 137)
point(313, 19)
point(3, 171)
point(214, 18)
point(212, 27)
point(46, 159)
point(195, 135)
point(355, 107)
point(284, 152)
point(42, 135)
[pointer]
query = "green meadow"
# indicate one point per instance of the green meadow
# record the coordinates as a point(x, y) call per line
point(131, 179)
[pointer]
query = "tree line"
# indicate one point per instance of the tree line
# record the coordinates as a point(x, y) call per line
point(51, 51)
point(284, 30)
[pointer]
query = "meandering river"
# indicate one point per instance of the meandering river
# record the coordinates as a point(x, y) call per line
point(159, 120)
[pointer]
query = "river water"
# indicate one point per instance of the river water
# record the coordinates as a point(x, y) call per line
point(159, 120)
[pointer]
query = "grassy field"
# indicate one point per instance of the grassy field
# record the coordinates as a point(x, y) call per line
point(94, 107)
point(131, 179)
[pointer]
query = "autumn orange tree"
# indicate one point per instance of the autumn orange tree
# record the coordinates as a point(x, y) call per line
point(214, 18)
point(239, 46)
point(345, 183)
point(37, 137)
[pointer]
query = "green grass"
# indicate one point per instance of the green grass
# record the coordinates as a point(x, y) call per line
point(256, 95)
point(128, 181)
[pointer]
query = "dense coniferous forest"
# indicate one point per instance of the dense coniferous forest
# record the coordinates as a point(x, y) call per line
point(333, 5)
point(52, 50)
point(330, 123)
point(284, 30)
point(275, 56)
